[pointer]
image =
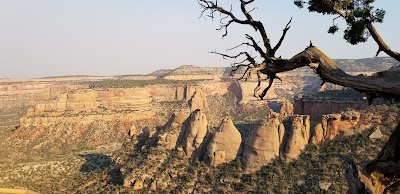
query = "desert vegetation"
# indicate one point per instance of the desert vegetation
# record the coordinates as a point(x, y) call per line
point(319, 169)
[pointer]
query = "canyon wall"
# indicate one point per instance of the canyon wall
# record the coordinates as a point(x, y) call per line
point(79, 115)
point(318, 107)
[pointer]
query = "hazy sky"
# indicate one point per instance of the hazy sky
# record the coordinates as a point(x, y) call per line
point(104, 37)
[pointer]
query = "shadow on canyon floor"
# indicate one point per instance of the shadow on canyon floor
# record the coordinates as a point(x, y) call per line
point(95, 162)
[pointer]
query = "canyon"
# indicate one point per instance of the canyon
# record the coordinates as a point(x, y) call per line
point(195, 114)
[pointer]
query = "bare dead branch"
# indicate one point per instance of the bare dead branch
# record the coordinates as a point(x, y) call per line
point(326, 68)
point(249, 58)
point(253, 9)
point(258, 48)
point(245, 72)
point(382, 84)
point(257, 25)
point(235, 47)
point(381, 43)
point(224, 56)
point(287, 27)
point(258, 84)
point(236, 67)
point(262, 95)
point(247, 2)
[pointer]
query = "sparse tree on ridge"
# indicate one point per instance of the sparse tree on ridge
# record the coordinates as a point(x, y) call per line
point(378, 175)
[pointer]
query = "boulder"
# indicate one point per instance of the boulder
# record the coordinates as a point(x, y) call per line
point(132, 131)
point(224, 144)
point(263, 144)
point(323, 185)
point(376, 135)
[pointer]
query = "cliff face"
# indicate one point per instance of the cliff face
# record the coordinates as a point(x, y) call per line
point(74, 115)
point(88, 105)
point(21, 95)
point(318, 107)
point(333, 125)
point(54, 105)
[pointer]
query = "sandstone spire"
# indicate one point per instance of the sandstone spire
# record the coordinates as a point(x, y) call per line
point(195, 133)
point(224, 144)
point(263, 144)
point(299, 136)
point(198, 101)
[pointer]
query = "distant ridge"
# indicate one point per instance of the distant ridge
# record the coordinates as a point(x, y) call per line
point(366, 64)
point(374, 64)
point(160, 72)
point(195, 70)
point(70, 76)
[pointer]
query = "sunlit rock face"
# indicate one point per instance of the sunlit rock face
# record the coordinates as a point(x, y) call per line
point(193, 141)
point(173, 130)
point(198, 101)
point(224, 144)
point(332, 125)
point(317, 107)
point(287, 110)
point(263, 144)
point(298, 137)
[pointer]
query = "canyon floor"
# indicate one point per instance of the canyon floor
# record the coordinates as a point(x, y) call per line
point(165, 133)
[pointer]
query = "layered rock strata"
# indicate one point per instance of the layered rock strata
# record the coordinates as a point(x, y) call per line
point(317, 107)
point(333, 125)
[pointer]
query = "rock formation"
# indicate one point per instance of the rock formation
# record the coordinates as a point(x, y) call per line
point(315, 107)
point(298, 137)
point(195, 132)
point(333, 125)
point(286, 109)
point(263, 144)
point(247, 89)
point(376, 135)
point(173, 130)
point(132, 132)
point(224, 144)
point(198, 101)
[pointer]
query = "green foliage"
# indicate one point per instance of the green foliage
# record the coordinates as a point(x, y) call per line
point(333, 29)
point(358, 14)
point(115, 83)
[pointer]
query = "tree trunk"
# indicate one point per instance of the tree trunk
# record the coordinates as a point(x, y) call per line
point(380, 175)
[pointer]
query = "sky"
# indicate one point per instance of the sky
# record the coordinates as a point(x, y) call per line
point(41, 38)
